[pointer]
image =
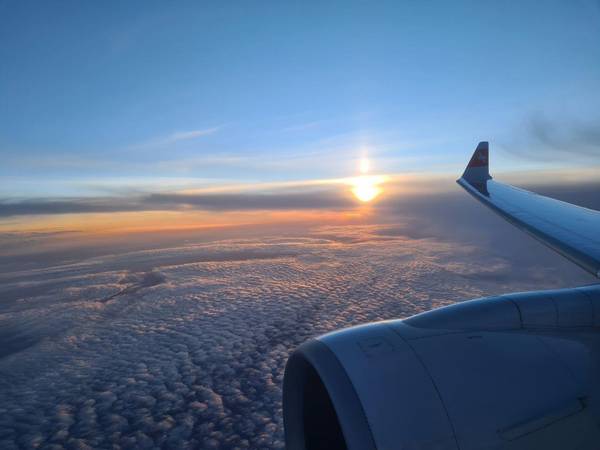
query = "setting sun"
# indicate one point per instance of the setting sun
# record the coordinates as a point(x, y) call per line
point(366, 188)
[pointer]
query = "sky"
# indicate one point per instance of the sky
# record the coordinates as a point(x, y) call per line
point(116, 100)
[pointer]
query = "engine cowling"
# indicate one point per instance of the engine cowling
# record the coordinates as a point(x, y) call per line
point(513, 372)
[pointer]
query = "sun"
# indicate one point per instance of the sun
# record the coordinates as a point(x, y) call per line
point(366, 188)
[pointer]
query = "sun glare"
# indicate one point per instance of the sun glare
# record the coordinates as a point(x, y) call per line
point(366, 188)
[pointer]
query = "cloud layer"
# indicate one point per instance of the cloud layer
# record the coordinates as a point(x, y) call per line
point(185, 347)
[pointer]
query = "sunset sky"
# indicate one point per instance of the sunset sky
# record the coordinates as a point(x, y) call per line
point(104, 109)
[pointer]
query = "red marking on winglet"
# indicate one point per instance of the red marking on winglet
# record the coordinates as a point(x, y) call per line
point(480, 158)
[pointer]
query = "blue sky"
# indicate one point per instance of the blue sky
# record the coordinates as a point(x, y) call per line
point(117, 96)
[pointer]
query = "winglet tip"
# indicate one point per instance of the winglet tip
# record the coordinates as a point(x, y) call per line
point(477, 171)
point(481, 155)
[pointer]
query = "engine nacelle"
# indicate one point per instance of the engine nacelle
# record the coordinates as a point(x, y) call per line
point(513, 372)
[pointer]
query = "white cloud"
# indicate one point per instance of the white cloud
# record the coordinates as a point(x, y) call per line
point(192, 134)
point(175, 137)
point(185, 347)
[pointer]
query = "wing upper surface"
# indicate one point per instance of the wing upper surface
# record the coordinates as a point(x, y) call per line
point(571, 230)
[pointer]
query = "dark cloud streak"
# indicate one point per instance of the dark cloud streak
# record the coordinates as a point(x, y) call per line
point(243, 201)
point(555, 138)
point(322, 199)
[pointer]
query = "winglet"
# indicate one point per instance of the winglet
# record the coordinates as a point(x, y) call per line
point(478, 170)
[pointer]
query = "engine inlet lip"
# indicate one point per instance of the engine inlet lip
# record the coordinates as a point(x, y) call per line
point(316, 356)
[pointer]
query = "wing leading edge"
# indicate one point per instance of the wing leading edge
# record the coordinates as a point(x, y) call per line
point(572, 231)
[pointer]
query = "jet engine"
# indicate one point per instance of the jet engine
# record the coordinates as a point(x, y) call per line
point(518, 371)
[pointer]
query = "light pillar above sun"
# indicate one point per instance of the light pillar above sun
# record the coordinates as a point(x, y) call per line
point(364, 165)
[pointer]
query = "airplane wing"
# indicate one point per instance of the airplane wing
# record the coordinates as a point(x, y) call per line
point(572, 231)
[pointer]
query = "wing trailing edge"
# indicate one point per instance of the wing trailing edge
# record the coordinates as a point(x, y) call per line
point(571, 230)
